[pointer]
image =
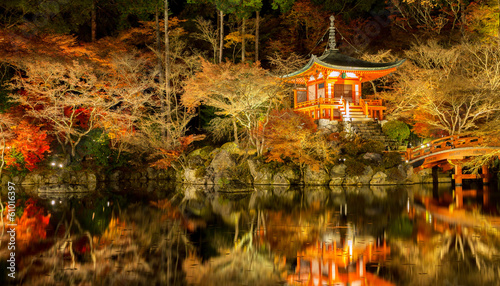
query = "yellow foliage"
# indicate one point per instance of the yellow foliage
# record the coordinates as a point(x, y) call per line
point(235, 38)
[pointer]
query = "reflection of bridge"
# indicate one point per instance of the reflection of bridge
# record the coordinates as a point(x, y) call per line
point(448, 153)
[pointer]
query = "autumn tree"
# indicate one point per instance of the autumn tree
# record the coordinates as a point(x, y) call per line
point(243, 92)
point(293, 136)
point(66, 96)
point(207, 33)
point(6, 124)
point(450, 89)
point(429, 17)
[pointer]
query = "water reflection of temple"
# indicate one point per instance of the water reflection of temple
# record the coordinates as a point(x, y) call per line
point(340, 259)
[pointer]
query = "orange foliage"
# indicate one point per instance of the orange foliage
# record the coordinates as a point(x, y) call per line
point(422, 128)
point(32, 224)
point(112, 232)
point(292, 135)
point(31, 142)
point(169, 212)
point(168, 156)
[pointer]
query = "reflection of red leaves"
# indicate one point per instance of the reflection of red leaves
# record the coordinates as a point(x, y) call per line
point(33, 223)
point(169, 211)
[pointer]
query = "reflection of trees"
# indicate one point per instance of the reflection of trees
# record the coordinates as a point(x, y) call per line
point(242, 265)
point(466, 255)
point(141, 245)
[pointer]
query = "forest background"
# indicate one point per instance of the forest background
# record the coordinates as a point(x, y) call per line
point(116, 83)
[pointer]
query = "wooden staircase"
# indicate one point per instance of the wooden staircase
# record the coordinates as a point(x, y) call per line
point(355, 113)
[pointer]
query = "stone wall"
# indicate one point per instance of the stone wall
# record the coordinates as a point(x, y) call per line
point(221, 167)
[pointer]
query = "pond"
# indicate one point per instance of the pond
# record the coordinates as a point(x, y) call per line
point(184, 235)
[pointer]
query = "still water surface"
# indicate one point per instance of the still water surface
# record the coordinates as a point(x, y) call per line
point(412, 235)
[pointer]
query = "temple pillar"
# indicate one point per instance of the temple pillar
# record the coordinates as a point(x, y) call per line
point(370, 252)
point(297, 269)
point(361, 267)
point(294, 98)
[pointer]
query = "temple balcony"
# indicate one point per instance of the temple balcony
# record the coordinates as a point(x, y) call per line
point(341, 109)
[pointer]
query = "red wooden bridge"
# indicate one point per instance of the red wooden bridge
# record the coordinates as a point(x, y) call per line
point(448, 153)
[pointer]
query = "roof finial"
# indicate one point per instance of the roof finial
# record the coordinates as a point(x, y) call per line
point(331, 41)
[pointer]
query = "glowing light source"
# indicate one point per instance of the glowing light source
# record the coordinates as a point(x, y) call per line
point(60, 165)
point(53, 163)
point(53, 202)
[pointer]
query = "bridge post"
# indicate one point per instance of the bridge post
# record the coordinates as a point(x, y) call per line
point(458, 175)
point(435, 175)
point(485, 174)
point(459, 197)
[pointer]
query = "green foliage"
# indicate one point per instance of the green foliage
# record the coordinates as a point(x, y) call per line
point(223, 182)
point(6, 74)
point(401, 227)
point(283, 5)
point(19, 166)
point(396, 130)
point(96, 147)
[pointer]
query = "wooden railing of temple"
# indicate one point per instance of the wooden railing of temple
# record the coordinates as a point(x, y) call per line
point(373, 108)
point(317, 101)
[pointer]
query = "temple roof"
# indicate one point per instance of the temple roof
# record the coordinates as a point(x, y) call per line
point(333, 59)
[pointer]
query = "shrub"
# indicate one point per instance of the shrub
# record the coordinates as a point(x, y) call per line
point(372, 146)
point(391, 159)
point(354, 167)
point(396, 130)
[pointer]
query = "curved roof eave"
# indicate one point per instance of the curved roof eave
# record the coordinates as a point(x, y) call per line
point(316, 60)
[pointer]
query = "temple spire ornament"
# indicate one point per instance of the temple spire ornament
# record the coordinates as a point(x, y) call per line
point(331, 41)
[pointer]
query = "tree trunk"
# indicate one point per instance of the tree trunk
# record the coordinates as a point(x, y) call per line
point(167, 65)
point(257, 20)
point(221, 35)
point(374, 87)
point(243, 23)
point(160, 67)
point(235, 129)
point(93, 21)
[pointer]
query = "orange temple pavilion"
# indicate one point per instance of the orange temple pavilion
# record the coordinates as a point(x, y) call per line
point(340, 262)
point(330, 85)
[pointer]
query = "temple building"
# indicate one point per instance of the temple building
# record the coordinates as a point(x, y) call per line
point(329, 86)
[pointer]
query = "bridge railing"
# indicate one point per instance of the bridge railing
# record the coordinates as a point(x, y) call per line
point(442, 144)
